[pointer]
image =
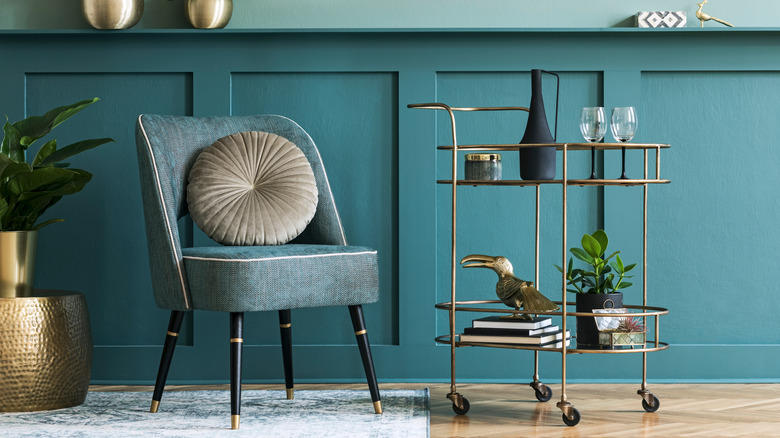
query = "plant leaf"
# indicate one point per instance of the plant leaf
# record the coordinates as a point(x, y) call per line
point(591, 246)
point(10, 168)
point(75, 148)
point(582, 255)
point(12, 146)
point(629, 267)
point(602, 239)
point(47, 149)
point(48, 181)
point(48, 222)
point(35, 127)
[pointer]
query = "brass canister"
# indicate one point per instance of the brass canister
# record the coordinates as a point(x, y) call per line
point(17, 262)
point(209, 14)
point(112, 14)
point(45, 351)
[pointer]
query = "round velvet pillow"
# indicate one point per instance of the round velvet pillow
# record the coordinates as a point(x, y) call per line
point(252, 188)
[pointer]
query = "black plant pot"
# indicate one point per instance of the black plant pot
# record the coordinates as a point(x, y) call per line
point(587, 332)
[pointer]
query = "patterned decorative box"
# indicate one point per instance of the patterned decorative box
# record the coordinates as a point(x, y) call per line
point(661, 19)
point(614, 338)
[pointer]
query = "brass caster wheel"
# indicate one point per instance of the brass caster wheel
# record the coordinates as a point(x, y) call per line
point(543, 397)
point(656, 405)
point(461, 411)
point(575, 418)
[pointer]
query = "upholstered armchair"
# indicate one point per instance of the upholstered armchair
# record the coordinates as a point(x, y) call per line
point(316, 269)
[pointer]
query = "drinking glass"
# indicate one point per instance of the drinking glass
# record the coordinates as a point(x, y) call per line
point(593, 126)
point(623, 128)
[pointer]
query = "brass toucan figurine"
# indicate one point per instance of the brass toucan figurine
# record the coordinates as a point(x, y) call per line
point(511, 290)
point(702, 16)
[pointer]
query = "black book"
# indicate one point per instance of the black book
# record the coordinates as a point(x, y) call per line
point(511, 323)
point(508, 332)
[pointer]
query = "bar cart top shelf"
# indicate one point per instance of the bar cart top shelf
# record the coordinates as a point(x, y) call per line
point(558, 146)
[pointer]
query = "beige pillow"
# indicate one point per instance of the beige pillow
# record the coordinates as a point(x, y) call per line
point(252, 188)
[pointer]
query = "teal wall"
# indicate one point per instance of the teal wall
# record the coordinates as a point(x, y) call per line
point(370, 14)
point(712, 94)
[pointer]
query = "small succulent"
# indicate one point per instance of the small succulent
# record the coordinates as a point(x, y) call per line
point(631, 324)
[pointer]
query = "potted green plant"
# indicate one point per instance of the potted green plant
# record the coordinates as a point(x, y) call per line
point(598, 286)
point(27, 190)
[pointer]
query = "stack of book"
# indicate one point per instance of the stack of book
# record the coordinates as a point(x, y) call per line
point(537, 331)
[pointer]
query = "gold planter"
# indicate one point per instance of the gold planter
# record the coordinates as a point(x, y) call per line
point(45, 351)
point(209, 14)
point(17, 262)
point(112, 14)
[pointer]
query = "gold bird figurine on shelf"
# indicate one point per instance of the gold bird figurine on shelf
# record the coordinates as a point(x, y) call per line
point(511, 290)
point(706, 17)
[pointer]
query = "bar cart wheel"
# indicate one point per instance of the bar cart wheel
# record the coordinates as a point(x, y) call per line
point(464, 409)
point(543, 397)
point(654, 407)
point(575, 418)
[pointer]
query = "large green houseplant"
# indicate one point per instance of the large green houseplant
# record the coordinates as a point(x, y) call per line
point(598, 285)
point(28, 189)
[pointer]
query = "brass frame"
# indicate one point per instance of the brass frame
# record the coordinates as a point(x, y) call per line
point(454, 306)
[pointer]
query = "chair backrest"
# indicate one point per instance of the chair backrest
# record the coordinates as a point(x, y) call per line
point(167, 149)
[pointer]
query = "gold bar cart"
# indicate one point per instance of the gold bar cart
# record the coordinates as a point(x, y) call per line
point(543, 393)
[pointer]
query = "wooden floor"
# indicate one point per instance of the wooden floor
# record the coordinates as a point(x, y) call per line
point(687, 410)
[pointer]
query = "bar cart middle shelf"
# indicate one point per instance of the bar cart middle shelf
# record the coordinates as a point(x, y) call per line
point(543, 393)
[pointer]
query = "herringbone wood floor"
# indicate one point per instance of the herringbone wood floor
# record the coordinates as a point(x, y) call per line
point(687, 410)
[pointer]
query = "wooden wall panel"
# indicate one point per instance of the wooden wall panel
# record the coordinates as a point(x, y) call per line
point(710, 94)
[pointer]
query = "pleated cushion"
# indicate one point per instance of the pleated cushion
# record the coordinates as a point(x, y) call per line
point(252, 188)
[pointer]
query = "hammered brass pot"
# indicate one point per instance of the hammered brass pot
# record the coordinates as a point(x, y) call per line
point(209, 14)
point(112, 14)
point(17, 262)
point(45, 351)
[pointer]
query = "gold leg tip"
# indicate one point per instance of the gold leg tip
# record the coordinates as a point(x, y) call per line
point(378, 407)
point(290, 393)
point(234, 420)
point(155, 406)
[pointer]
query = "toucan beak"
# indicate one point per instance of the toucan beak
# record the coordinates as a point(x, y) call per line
point(478, 261)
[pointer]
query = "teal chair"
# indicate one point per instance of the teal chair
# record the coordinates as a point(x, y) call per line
point(316, 269)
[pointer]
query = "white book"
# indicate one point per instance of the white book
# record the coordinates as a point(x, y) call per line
point(540, 339)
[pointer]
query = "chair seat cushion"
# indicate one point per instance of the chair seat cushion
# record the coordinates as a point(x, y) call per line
point(256, 278)
point(252, 188)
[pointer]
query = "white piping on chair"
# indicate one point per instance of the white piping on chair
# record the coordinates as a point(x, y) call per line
point(325, 174)
point(210, 259)
point(167, 221)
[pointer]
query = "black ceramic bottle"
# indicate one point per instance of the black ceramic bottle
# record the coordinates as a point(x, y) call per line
point(537, 163)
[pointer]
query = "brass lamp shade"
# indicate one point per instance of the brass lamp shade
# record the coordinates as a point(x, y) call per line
point(45, 351)
point(17, 262)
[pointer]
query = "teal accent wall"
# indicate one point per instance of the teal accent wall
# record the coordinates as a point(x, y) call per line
point(711, 94)
point(379, 14)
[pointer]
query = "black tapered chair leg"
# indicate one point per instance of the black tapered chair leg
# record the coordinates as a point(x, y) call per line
point(236, 348)
point(285, 327)
point(174, 325)
point(359, 324)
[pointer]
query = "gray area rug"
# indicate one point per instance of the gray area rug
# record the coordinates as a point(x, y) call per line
point(341, 413)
